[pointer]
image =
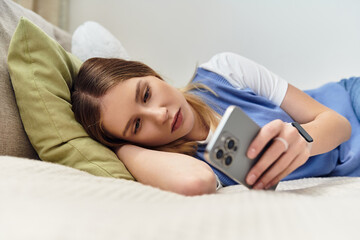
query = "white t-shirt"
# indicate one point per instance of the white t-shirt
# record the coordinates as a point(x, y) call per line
point(242, 73)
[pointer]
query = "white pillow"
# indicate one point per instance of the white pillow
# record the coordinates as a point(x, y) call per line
point(93, 40)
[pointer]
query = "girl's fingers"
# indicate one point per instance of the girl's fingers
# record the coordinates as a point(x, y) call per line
point(281, 164)
point(268, 132)
point(275, 150)
point(286, 138)
point(284, 150)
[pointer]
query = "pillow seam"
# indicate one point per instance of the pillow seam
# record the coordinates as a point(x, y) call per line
point(90, 160)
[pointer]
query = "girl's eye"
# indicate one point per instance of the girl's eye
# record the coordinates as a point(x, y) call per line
point(146, 95)
point(137, 125)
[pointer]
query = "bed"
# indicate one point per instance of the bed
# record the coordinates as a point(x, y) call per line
point(41, 200)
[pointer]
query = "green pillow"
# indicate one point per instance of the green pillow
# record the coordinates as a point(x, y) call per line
point(41, 72)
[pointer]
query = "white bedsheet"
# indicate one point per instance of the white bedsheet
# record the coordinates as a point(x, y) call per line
point(41, 200)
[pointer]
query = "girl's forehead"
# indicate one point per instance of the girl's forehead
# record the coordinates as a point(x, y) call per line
point(127, 91)
point(117, 105)
point(118, 95)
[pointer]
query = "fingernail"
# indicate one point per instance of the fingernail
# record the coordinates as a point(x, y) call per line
point(260, 185)
point(251, 179)
point(251, 153)
point(268, 186)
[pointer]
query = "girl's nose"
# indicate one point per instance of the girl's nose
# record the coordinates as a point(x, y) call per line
point(159, 114)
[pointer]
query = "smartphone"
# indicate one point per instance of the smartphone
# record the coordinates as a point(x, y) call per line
point(226, 151)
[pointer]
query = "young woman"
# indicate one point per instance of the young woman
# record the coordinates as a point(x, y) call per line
point(160, 132)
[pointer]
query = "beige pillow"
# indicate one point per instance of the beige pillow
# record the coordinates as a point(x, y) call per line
point(41, 72)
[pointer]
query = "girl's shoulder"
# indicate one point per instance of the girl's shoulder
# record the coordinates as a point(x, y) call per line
point(243, 73)
point(221, 61)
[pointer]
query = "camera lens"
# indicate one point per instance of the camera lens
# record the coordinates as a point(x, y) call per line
point(230, 143)
point(228, 160)
point(219, 153)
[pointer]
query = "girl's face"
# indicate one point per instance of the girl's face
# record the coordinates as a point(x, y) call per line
point(147, 111)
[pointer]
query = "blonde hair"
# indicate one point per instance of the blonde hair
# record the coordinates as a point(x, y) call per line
point(98, 75)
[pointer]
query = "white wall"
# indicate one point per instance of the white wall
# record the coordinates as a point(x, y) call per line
point(307, 42)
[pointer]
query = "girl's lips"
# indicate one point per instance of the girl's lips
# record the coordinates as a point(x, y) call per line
point(177, 121)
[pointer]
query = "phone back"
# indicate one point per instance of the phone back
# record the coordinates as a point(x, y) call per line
point(227, 149)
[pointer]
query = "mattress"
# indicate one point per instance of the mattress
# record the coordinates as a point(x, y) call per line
point(40, 200)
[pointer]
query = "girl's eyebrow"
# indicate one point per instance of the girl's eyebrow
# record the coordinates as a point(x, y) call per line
point(137, 93)
point(137, 99)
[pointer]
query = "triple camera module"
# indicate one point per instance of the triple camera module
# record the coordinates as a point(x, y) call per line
point(227, 149)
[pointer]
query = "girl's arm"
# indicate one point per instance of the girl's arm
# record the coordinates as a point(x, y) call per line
point(327, 128)
point(173, 172)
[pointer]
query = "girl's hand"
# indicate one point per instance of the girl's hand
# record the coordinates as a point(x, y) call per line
point(288, 151)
